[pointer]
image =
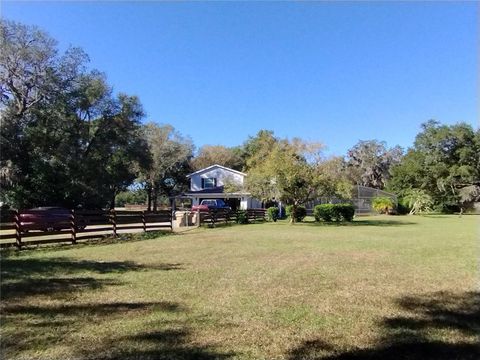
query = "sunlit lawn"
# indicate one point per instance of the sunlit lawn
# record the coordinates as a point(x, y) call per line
point(383, 287)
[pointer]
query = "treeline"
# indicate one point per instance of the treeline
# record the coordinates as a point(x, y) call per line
point(440, 172)
point(67, 139)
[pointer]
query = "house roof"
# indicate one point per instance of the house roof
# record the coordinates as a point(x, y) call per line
point(215, 190)
point(213, 167)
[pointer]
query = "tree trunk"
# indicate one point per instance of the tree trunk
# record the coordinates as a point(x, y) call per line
point(112, 201)
point(155, 197)
point(149, 197)
point(293, 214)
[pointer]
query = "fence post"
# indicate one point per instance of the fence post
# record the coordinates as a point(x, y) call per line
point(113, 220)
point(213, 216)
point(73, 226)
point(144, 222)
point(18, 232)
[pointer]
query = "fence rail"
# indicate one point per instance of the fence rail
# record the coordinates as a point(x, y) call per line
point(222, 216)
point(80, 225)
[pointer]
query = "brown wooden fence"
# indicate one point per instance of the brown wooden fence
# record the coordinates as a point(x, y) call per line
point(220, 216)
point(81, 225)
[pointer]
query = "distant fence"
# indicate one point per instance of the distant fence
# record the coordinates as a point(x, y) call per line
point(220, 216)
point(361, 199)
point(80, 225)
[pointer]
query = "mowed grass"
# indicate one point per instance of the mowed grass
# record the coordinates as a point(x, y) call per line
point(382, 287)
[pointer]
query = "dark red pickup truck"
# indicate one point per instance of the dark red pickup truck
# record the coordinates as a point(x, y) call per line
point(47, 218)
point(211, 204)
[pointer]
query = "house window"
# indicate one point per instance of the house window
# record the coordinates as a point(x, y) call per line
point(209, 183)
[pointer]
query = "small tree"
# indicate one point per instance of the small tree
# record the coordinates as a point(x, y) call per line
point(286, 173)
point(300, 213)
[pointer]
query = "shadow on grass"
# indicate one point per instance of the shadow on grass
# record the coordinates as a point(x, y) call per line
point(54, 321)
point(14, 267)
point(96, 309)
point(101, 240)
point(39, 327)
point(54, 287)
point(410, 337)
point(223, 225)
point(361, 222)
point(357, 222)
point(174, 343)
point(58, 276)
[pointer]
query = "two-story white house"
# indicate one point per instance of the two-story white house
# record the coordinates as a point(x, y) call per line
point(220, 182)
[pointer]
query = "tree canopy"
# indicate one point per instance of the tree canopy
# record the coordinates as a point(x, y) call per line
point(444, 162)
point(170, 155)
point(289, 171)
point(217, 154)
point(369, 162)
point(67, 139)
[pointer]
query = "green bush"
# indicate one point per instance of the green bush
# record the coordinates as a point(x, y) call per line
point(334, 212)
point(131, 197)
point(402, 207)
point(242, 217)
point(273, 213)
point(418, 200)
point(383, 204)
point(299, 214)
point(347, 212)
point(323, 212)
point(446, 208)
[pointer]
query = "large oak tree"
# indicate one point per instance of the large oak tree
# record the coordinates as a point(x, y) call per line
point(66, 139)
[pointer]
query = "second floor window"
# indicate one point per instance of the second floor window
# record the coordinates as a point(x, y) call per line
point(209, 183)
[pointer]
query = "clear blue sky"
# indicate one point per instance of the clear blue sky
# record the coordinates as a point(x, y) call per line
point(334, 72)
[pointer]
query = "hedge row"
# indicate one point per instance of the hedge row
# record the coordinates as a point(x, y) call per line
point(334, 212)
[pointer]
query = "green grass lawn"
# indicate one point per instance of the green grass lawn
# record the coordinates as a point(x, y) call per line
point(382, 287)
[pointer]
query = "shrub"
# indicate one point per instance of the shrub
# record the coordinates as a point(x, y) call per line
point(446, 208)
point(131, 197)
point(418, 201)
point(402, 207)
point(334, 212)
point(383, 204)
point(299, 214)
point(242, 217)
point(346, 211)
point(273, 213)
point(323, 212)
